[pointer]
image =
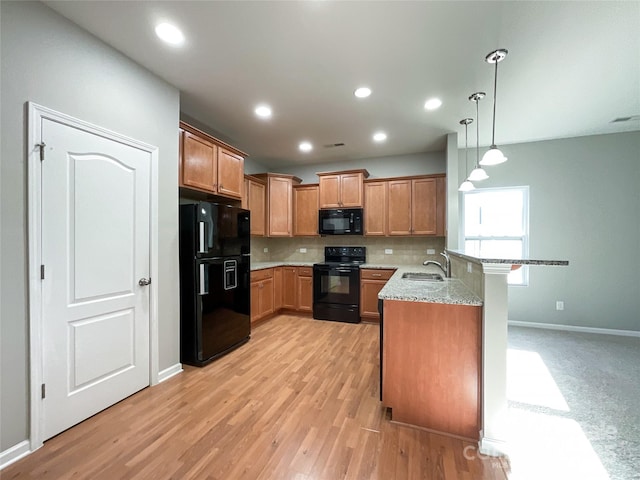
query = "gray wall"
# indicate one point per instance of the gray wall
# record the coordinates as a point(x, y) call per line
point(584, 207)
point(381, 167)
point(48, 60)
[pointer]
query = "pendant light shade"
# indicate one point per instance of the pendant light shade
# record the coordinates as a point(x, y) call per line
point(466, 186)
point(478, 174)
point(494, 156)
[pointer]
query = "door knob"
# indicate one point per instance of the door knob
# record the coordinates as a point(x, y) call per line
point(143, 282)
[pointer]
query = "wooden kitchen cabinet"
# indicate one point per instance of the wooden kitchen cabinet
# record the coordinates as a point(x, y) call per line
point(277, 288)
point(376, 207)
point(261, 290)
point(371, 282)
point(279, 203)
point(305, 210)
point(209, 165)
point(305, 289)
point(254, 199)
point(289, 287)
point(432, 364)
point(342, 189)
point(415, 206)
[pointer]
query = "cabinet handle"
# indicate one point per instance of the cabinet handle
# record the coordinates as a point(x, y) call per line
point(220, 187)
point(376, 275)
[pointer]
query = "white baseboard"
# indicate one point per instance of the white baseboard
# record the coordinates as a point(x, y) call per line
point(491, 447)
point(574, 328)
point(14, 453)
point(167, 373)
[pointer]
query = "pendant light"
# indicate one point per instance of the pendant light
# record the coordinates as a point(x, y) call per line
point(494, 156)
point(466, 186)
point(477, 173)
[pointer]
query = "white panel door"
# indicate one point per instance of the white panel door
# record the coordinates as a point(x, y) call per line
point(95, 249)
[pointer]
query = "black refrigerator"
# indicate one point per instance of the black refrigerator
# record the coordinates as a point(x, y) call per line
point(214, 281)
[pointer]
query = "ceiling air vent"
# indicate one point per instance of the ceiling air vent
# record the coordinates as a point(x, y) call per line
point(625, 119)
point(334, 145)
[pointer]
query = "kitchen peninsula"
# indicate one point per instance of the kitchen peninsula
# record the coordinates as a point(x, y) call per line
point(445, 349)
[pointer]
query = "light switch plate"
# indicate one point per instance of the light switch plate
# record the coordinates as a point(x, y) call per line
point(431, 251)
point(265, 250)
point(303, 250)
point(388, 251)
point(469, 267)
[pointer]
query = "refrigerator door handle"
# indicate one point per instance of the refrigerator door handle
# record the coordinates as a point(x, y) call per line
point(204, 290)
point(202, 248)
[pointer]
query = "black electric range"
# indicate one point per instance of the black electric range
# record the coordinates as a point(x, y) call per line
point(336, 284)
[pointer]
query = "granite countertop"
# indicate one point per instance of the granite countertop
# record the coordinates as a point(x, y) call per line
point(450, 291)
point(512, 261)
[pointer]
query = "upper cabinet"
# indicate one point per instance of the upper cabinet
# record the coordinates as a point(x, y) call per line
point(405, 206)
point(279, 203)
point(208, 165)
point(342, 189)
point(254, 199)
point(305, 210)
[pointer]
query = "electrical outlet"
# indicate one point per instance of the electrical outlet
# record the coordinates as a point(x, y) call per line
point(303, 250)
point(431, 251)
point(469, 267)
point(388, 251)
point(559, 305)
point(265, 250)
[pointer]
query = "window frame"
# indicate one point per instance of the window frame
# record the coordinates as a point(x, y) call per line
point(525, 237)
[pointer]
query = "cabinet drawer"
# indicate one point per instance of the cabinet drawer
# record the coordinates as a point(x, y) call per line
point(375, 274)
point(258, 275)
point(305, 271)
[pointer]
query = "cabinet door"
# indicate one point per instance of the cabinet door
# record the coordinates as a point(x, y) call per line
point(351, 190)
point(376, 204)
point(230, 174)
point(399, 207)
point(256, 197)
point(255, 301)
point(280, 204)
point(369, 290)
point(423, 206)
point(441, 206)
point(330, 191)
point(277, 289)
point(305, 294)
point(289, 287)
point(198, 163)
point(305, 210)
point(266, 298)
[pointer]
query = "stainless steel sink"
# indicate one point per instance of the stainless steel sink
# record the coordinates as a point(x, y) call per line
point(429, 277)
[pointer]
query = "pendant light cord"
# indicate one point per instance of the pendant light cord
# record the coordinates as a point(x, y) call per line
point(466, 148)
point(477, 135)
point(495, 88)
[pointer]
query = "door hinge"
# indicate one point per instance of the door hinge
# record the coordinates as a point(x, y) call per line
point(41, 272)
point(43, 391)
point(41, 145)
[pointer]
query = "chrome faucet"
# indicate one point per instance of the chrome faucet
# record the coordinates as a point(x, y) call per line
point(446, 268)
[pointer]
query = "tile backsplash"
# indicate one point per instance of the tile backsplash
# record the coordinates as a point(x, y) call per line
point(406, 250)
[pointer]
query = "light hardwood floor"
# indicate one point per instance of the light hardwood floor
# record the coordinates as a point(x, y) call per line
point(299, 401)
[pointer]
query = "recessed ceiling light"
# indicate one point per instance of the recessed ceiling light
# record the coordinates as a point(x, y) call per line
point(379, 137)
point(432, 104)
point(170, 33)
point(305, 147)
point(362, 92)
point(263, 111)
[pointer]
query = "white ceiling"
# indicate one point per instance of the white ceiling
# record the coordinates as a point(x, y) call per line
point(572, 68)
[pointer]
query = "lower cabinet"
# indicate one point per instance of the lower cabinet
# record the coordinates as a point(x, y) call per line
point(261, 294)
point(281, 288)
point(371, 282)
point(305, 289)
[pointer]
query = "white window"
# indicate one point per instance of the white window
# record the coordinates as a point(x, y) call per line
point(496, 225)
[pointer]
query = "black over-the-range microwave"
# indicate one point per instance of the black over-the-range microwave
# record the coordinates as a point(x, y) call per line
point(340, 221)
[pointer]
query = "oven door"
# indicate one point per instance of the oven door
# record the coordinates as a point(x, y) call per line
point(336, 284)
